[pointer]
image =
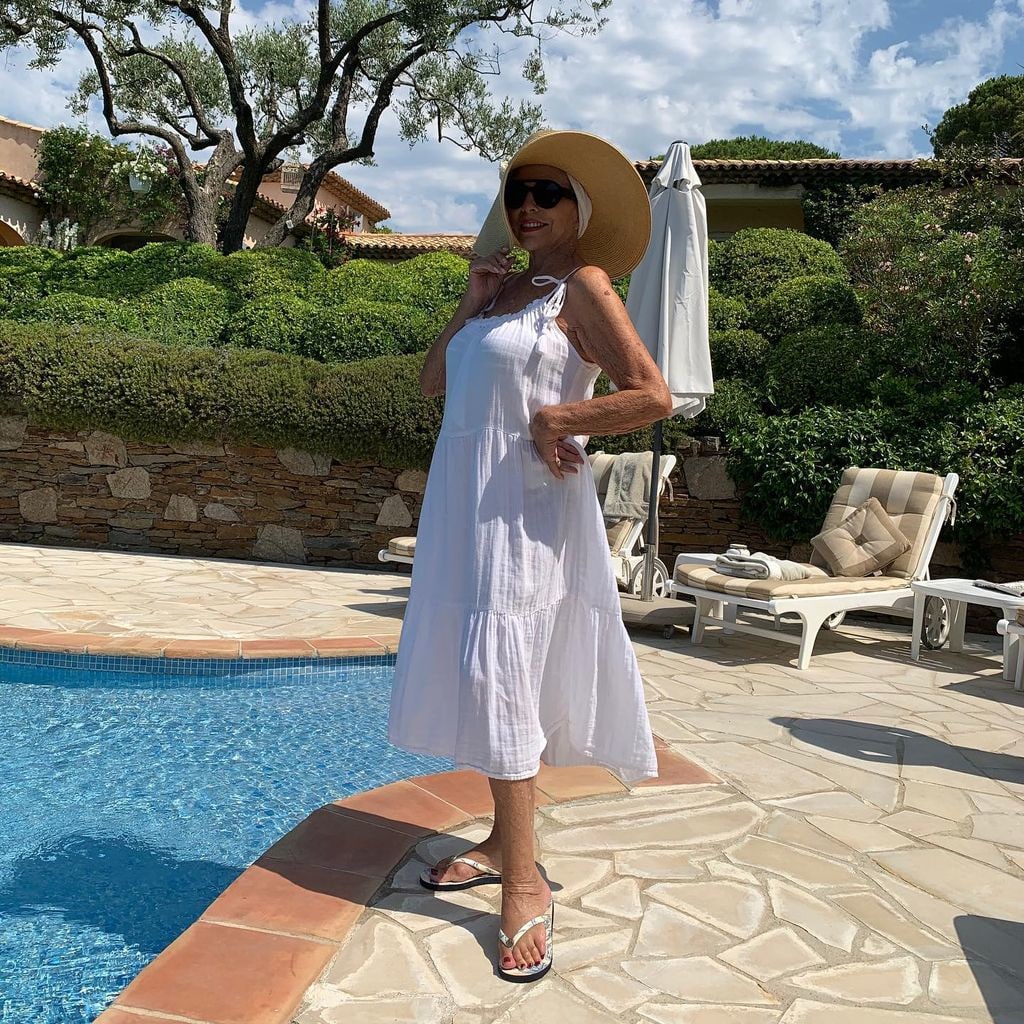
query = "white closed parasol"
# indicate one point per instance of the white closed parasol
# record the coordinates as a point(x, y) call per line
point(668, 304)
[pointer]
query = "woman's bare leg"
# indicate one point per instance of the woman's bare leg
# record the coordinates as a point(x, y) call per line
point(524, 892)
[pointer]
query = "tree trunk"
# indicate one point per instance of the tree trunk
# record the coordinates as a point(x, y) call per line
point(201, 219)
point(245, 192)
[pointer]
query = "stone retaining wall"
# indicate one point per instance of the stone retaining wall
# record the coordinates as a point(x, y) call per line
point(92, 489)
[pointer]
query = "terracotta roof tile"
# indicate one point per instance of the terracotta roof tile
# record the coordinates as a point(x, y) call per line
point(19, 186)
point(806, 172)
point(395, 246)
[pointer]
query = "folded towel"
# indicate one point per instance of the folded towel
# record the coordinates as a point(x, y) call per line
point(629, 486)
point(760, 566)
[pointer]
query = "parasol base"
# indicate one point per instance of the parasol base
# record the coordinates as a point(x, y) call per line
point(660, 612)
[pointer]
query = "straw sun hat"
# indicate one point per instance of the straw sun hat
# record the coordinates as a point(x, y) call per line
point(620, 224)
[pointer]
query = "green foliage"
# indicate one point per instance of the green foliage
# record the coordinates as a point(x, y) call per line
point(25, 259)
point(87, 270)
point(159, 263)
point(84, 178)
point(735, 405)
point(739, 354)
point(759, 147)
point(81, 378)
point(828, 209)
point(991, 121)
point(755, 261)
point(274, 322)
point(431, 282)
point(829, 365)
point(188, 311)
point(361, 329)
point(67, 308)
point(253, 273)
point(726, 314)
point(940, 276)
point(803, 303)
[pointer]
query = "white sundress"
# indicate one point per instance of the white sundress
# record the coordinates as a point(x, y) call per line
point(513, 650)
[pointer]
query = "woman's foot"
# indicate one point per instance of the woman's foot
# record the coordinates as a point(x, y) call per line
point(521, 901)
point(487, 853)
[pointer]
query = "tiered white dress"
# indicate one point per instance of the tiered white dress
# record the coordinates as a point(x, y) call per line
point(513, 650)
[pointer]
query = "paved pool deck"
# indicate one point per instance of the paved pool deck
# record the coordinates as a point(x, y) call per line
point(843, 845)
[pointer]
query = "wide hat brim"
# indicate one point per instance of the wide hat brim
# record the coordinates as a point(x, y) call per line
point(620, 225)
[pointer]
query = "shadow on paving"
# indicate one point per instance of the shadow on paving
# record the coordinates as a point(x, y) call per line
point(1003, 994)
point(883, 744)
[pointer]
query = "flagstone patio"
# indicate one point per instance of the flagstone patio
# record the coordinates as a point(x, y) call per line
point(859, 861)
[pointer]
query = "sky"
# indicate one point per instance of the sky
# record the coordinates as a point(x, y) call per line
point(858, 76)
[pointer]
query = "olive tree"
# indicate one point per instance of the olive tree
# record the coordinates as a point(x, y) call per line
point(202, 78)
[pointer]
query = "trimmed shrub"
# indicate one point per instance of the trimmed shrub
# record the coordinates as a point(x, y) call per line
point(357, 280)
point(253, 273)
point(86, 270)
point(726, 314)
point(364, 330)
point(805, 303)
point(755, 261)
point(83, 378)
point(733, 407)
point(273, 322)
point(831, 365)
point(433, 281)
point(739, 354)
point(70, 308)
point(23, 259)
point(188, 311)
point(159, 263)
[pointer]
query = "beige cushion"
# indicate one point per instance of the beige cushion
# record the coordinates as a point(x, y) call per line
point(866, 540)
point(617, 532)
point(403, 546)
point(910, 499)
point(1020, 617)
point(705, 577)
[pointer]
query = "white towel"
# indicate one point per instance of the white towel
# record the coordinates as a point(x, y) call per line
point(629, 486)
point(761, 566)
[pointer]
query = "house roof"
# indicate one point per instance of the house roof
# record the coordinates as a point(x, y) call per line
point(20, 188)
point(354, 198)
point(810, 172)
point(389, 246)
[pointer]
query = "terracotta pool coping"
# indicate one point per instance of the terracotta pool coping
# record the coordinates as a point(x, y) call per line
point(255, 951)
point(141, 645)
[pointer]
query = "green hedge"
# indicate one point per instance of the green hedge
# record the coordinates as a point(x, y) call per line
point(360, 329)
point(725, 313)
point(739, 354)
point(805, 303)
point(71, 308)
point(755, 261)
point(187, 311)
point(830, 365)
point(276, 323)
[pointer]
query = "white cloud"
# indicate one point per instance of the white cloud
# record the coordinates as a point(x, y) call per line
point(826, 70)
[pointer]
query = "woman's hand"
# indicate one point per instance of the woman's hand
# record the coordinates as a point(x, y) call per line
point(560, 455)
point(485, 276)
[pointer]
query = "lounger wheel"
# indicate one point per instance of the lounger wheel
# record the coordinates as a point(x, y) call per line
point(834, 621)
point(935, 627)
point(661, 578)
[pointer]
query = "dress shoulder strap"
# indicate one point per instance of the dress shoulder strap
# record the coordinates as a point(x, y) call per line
point(553, 306)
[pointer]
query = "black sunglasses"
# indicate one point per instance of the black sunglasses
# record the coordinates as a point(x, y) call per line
point(547, 194)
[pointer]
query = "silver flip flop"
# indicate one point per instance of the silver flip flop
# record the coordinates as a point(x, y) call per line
point(530, 973)
point(487, 876)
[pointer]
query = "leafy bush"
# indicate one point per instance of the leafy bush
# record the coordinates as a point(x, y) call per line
point(273, 322)
point(81, 378)
point(739, 354)
point(357, 280)
point(23, 259)
point(363, 330)
point(733, 407)
point(70, 308)
point(755, 261)
point(807, 302)
point(187, 311)
point(253, 273)
point(941, 276)
point(760, 147)
point(432, 281)
point(86, 270)
point(832, 365)
point(725, 314)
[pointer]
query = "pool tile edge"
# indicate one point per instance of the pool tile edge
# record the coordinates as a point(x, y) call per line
point(172, 982)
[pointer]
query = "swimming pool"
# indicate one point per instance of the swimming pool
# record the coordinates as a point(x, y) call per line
point(134, 790)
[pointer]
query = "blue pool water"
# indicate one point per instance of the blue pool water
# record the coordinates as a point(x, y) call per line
point(130, 799)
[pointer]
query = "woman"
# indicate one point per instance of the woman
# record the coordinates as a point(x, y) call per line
point(513, 649)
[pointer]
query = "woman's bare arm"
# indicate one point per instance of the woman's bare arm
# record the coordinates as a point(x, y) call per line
point(600, 323)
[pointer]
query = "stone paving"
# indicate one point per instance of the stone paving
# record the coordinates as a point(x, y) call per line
point(862, 860)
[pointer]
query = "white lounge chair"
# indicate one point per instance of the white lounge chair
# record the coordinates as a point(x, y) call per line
point(626, 537)
point(1014, 630)
point(920, 503)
